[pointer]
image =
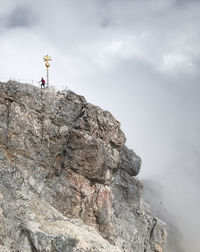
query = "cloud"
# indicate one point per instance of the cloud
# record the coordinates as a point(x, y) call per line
point(20, 17)
point(138, 59)
point(106, 22)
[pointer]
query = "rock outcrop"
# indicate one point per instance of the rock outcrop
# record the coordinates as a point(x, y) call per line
point(67, 179)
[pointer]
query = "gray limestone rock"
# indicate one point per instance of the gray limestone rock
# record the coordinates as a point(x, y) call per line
point(130, 162)
point(67, 179)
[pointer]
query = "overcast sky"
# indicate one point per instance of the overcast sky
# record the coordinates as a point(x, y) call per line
point(138, 59)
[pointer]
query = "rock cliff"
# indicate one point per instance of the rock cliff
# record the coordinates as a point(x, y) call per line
point(67, 179)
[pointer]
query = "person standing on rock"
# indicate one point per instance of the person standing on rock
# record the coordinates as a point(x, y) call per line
point(42, 83)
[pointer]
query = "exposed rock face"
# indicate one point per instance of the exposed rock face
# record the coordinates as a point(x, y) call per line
point(66, 177)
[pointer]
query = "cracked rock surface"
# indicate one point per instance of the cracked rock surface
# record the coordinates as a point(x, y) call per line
point(67, 179)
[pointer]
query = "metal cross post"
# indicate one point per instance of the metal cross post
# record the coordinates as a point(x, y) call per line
point(47, 58)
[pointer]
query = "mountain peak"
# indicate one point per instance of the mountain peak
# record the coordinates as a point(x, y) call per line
point(67, 178)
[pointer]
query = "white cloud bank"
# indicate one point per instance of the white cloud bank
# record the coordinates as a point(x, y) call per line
point(138, 59)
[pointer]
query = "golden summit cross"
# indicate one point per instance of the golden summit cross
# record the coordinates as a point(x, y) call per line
point(46, 59)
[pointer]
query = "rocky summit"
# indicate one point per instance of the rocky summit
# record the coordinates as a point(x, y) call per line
point(67, 180)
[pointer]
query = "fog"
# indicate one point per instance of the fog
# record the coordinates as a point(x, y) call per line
point(139, 60)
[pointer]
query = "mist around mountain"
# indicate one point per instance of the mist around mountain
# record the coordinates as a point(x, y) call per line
point(153, 195)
